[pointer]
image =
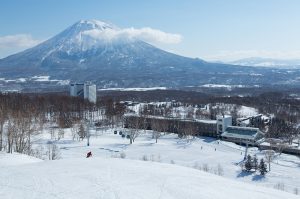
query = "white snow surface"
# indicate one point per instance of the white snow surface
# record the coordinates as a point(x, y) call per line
point(42, 78)
point(222, 86)
point(132, 89)
point(16, 159)
point(193, 153)
point(268, 62)
point(174, 169)
point(246, 111)
point(112, 178)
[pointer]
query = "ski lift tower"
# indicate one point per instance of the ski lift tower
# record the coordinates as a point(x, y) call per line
point(246, 149)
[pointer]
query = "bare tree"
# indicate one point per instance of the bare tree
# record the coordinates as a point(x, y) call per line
point(21, 127)
point(134, 131)
point(269, 156)
point(75, 131)
point(11, 132)
point(298, 136)
point(157, 127)
point(277, 144)
point(3, 119)
point(53, 151)
point(52, 132)
point(190, 112)
point(61, 133)
point(82, 131)
point(190, 130)
point(281, 147)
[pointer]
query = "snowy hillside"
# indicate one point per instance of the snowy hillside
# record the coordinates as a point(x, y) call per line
point(16, 159)
point(197, 154)
point(120, 178)
point(205, 154)
point(94, 45)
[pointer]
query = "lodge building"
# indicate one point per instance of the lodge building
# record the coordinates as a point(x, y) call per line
point(220, 128)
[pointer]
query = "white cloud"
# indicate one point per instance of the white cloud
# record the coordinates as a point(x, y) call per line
point(146, 34)
point(18, 41)
point(226, 55)
point(11, 44)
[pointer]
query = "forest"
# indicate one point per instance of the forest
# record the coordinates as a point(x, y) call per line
point(25, 115)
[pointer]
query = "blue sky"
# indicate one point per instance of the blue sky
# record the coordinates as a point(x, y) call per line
point(210, 29)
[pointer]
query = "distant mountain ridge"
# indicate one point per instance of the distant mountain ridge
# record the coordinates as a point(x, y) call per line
point(268, 62)
point(88, 50)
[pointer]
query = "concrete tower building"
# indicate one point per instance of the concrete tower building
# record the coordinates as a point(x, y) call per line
point(223, 121)
point(90, 92)
point(86, 91)
point(76, 90)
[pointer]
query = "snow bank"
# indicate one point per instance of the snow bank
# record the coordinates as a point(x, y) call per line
point(15, 159)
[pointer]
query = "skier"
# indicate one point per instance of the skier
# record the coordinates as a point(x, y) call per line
point(89, 154)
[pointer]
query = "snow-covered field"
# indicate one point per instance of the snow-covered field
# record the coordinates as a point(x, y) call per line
point(246, 111)
point(7, 159)
point(171, 168)
point(222, 86)
point(41, 78)
point(112, 178)
point(195, 153)
point(185, 111)
point(132, 89)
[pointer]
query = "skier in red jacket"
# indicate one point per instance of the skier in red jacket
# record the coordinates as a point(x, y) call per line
point(89, 154)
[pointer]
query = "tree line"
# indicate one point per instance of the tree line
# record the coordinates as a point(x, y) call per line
point(23, 116)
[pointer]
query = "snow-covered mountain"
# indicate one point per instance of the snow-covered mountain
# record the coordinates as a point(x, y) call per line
point(268, 62)
point(103, 53)
point(90, 49)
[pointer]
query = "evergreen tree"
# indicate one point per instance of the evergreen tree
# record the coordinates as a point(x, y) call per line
point(262, 167)
point(248, 165)
point(255, 163)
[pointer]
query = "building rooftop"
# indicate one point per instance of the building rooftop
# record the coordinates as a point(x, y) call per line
point(241, 132)
point(223, 116)
point(172, 118)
